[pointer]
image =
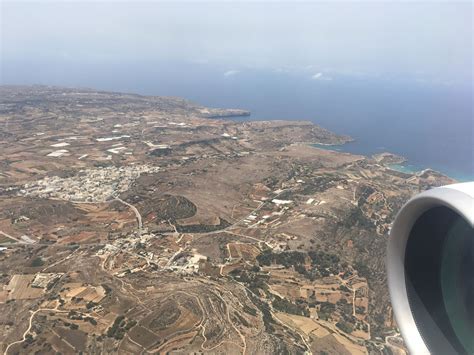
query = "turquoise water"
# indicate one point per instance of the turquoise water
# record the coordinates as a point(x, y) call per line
point(408, 169)
point(405, 167)
point(337, 147)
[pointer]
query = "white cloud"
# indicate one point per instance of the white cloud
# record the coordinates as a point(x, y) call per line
point(320, 76)
point(231, 72)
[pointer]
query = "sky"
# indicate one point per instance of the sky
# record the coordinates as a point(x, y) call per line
point(424, 41)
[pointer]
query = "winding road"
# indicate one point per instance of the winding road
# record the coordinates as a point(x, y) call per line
point(30, 325)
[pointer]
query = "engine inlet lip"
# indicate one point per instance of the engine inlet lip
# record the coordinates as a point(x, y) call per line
point(459, 202)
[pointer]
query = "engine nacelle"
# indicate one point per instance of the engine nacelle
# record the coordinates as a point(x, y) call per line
point(430, 270)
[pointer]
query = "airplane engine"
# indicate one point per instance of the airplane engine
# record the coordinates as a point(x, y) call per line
point(430, 270)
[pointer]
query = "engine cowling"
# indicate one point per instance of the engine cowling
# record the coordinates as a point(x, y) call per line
point(430, 270)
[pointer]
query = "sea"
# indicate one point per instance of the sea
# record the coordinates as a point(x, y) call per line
point(429, 123)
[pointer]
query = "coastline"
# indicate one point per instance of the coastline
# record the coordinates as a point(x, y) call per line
point(389, 160)
point(402, 166)
point(414, 163)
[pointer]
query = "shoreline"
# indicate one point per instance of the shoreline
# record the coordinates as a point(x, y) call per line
point(401, 167)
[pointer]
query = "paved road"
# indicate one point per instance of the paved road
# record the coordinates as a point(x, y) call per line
point(134, 209)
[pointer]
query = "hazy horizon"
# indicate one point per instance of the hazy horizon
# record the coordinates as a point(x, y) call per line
point(428, 42)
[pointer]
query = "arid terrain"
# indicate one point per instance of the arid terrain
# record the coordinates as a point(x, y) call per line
point(134, 224)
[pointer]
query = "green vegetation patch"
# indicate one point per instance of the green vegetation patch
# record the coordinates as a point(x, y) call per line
point(36, 262)
point(286, 258)
point(283, 305)
point(267, 318)
point(203, 228)
point(120, 327)
point(326, 309)
point(345, 327)
point(322, 263)
point(167, 317)
point(249, 310)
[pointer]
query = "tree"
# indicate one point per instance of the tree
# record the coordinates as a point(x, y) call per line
point(345, 327)
point(36, 262)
